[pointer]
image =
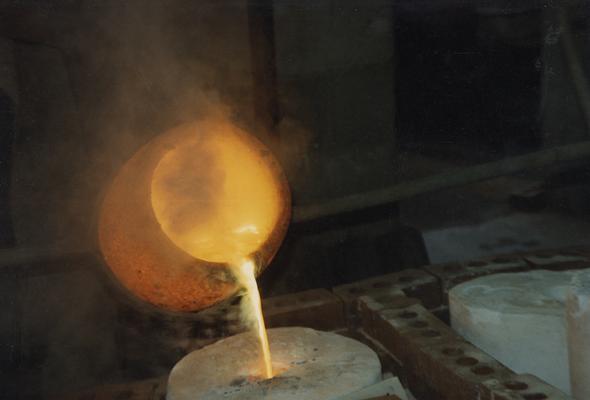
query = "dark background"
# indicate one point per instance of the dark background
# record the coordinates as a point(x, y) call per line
point(351, 96)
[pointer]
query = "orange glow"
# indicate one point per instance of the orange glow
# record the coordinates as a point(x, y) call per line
point(217, 200)
point(215, 197)
point(188, 207)
point(252, 311)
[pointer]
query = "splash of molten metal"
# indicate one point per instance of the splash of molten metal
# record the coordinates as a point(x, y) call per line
point(252, 309)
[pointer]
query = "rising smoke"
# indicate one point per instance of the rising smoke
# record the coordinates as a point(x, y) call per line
point(128, 70)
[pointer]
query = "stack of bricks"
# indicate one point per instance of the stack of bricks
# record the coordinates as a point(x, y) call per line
point(398, 315)
point(411, 282)
point(436, 362)
point(559, 260)
point(317, 308)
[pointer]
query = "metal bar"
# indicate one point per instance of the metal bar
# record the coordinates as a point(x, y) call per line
point(454, 178)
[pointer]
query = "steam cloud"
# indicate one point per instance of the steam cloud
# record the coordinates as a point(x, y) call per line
point(128, 70)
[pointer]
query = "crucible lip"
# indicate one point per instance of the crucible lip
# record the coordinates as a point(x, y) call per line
point(170, 278)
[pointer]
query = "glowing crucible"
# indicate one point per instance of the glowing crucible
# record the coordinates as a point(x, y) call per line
point(188, 206)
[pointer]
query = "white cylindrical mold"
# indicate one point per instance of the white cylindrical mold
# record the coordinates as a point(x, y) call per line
point(578, 335)
point(517, 318)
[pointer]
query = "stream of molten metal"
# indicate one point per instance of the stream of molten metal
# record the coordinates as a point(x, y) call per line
point(252, 309)
point(217, 198)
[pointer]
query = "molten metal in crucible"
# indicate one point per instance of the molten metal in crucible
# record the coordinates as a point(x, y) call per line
point(188, 208)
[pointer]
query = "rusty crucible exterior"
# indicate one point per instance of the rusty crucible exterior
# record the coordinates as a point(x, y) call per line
point(140, 255)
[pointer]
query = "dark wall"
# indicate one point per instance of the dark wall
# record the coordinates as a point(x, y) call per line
point(469, 83)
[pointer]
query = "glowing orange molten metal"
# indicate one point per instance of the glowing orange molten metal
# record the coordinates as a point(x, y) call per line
point(216, 198)
point(189, 205)
point(252, 311)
